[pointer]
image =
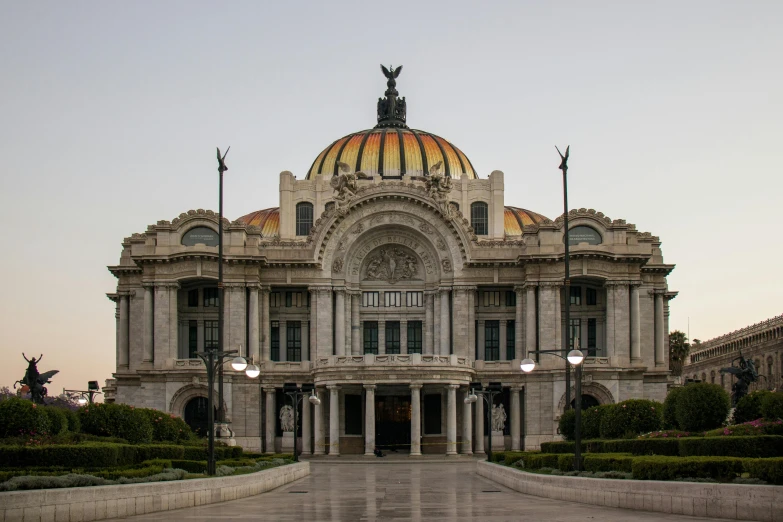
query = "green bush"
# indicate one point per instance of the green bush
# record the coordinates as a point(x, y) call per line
point(772, 406)
point(722, 469)
point(567, 424)
point(631, 417)
point(702, 406)
point(756, 427)
point(159, 451)
point(167, 427)
point(20, 417)
point(74, 425)
point(498, 456)
point(607, 462)
point(663, 446)
point(768, 470)
point(670, 409)
point(88, 455)
point(749, 407)
point(761, 446)
point(114, 474)
point(116, 420)
point(221, 452)
point(58, 422)
point(191, 466)
point(591, 421)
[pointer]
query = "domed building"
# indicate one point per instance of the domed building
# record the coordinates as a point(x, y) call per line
point(392, 275)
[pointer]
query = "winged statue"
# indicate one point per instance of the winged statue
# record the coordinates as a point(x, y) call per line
point(391, 73)
point(345, 184)
point(222, 160)
point(34, 380)
point(746, 374)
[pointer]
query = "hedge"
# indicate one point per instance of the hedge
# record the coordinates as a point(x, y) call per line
point(567, 424)
point(591, 420)
point(158, 451)
point(670, 409)
point(90, 455)
point(116, 420)
point(772, 406)
point(769, 470)
point(58, 422)
point(749, 407)
point(167, 427)
point(20, 417)
point(761, 446)
point(631, 417)
point(663, 446)
point(191, 466)
point(701, 406)
point(607, 462)
point(221, 452)
point(722, 469)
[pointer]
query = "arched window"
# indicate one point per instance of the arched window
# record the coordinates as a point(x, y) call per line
point(479, 218)
point(304, 218)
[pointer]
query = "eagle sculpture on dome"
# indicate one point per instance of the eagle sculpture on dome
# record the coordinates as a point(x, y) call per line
point(391, 74)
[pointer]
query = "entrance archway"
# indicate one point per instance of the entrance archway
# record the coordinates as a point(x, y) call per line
point(196, 415)
point(393, 422)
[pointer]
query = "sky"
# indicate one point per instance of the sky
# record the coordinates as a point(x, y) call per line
point(111, 112)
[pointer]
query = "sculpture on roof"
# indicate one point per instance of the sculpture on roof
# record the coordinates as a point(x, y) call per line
point(34, 380)
point(345, 186)
point(438, 187)
point(391, 109)
point(746, 374)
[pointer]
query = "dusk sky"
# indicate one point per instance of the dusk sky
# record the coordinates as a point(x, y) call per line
point(111, 113)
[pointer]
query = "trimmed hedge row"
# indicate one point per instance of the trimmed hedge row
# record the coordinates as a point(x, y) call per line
point(631, 417)
point(92, 455)
point(759, 446)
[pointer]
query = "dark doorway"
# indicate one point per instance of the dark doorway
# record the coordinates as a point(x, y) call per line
point(196, 415)
point(393, 422)
point(588, 401)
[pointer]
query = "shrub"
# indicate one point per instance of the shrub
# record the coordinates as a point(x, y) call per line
point(749, 407)
point(167, 427)
point(702, 406)
point(768, 470)
point(772, 406)
point(191, 466)
point(662, 446)
point(535, 460)
point(221, 452)
point(58, 422)
point(607, 462)
point(757, 447)
point(755, 427)
point(591, 421)
point(116, 420)
point(159, 451)
point(631, 417)
point(498, 456)
point(567, 424)
point(114, 474)
point(88, 455)
point(22, 417)
point(74, 425)
point(670, 409)
point(722, 469)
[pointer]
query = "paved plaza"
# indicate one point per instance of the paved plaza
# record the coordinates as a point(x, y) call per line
point(387, 491)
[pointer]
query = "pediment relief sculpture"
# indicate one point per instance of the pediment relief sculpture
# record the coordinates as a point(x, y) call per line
point(391, 264)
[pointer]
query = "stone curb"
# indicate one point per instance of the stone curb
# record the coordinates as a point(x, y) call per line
point(729, 501)
point(102, 502)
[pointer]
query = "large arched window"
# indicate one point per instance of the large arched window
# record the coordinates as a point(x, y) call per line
point(304, 218)
point(479, 218)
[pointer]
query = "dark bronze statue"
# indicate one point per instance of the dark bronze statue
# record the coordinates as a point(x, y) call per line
point(222, 161)
point(391, 74)
point(34, 380)
point(564, 159)
point(746, 374)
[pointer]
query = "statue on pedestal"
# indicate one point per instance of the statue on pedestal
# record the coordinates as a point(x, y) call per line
point(746, 374)
point(498, 417)
point(287, 418)
point(34, 380)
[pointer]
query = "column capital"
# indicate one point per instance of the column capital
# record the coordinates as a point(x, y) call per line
point(333, 387)
point(126, 293)
point(622, 282)
point(234, 286)
point(320, 289)
point(415, 386)
point(550, 284)
point(264, 288)
point(657, 291)
point(465, 288)
point(516, 388)
point(444, 289)
point(148, 284)
point(430, 292)
point(452, 386)
point(339, 290)
point(269, 389)
point(530, 285)
point(369, 386)
point(166, 284)
point(520, 289)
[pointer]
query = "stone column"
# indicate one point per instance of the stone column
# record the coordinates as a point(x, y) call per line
point(609, 336)
point(319, 448)
point(519, 323)
point(482, 340)
point(334, 420)
point(381, 337)
point(436, 323)
point(479, 420)
point(403, 336)
point(347, 323)
point(429, 298)
point(356, 330)
point(369, 419)
point(503, 339)
point(622, 323)
point(445, 321)
point(467, 427)
point(530, 319)
point(516, 419)
point(124, 320)
point(659, 329)
point(161, 325)
point(253, 346)
point(324, 311)
point(451, 420)
point(339, 321)
point(558, 292)
point(306, 428)
point(460, 320)
point(415, 419)
point(271, 418)
point(148, 323)
point(313, 323)
point(173, 322)
point(265, 324)
point(636, 333)
point(472, 321)
point(283, 343)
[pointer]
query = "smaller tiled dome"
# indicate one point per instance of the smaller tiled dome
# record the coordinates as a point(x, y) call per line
point(268, 220)
point(515, 219)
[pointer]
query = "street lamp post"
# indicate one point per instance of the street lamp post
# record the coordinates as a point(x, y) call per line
point(85, 396)
point(221, 169)
point(493, 389)
point(575, 358)
point(567, 277)
point(296, 394)
point(213, 360)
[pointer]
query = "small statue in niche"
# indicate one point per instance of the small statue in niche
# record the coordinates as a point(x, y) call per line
point(498, 417)
point(287, 418)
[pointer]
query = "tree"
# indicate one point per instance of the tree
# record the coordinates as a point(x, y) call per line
point(678, 351)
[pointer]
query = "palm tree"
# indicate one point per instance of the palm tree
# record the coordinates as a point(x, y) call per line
point(678, 351)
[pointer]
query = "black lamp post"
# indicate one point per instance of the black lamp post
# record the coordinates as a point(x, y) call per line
point(493, 389)
point(221, 169)
point(296, 394)
point(85, 396)
point(567, 277)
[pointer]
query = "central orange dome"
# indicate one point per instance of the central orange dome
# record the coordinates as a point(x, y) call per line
point(392, 153)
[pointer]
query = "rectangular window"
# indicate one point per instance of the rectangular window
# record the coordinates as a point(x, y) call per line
point(371, 336)
point(491, 340)
point(392, 298)
point(211, 297)
point(392, 336)
point(576, 332)
point(479, 218)
point(576, 295)
point(511, 298)
point(274, 300)
point(414, 298)
point(591, 297)
point(210, 335)
point(293, 299)
point(592, 337)
point(193, 338)
point(491, 298)
point(510, 338)
point(432, 412)
point(414, 336)
point(274, 333)
point(353, 414)
point(193, 298)
point(370, 299)
point(293, 341)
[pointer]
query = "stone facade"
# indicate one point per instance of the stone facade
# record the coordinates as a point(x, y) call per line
point(761, 342)
point(391, 294)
